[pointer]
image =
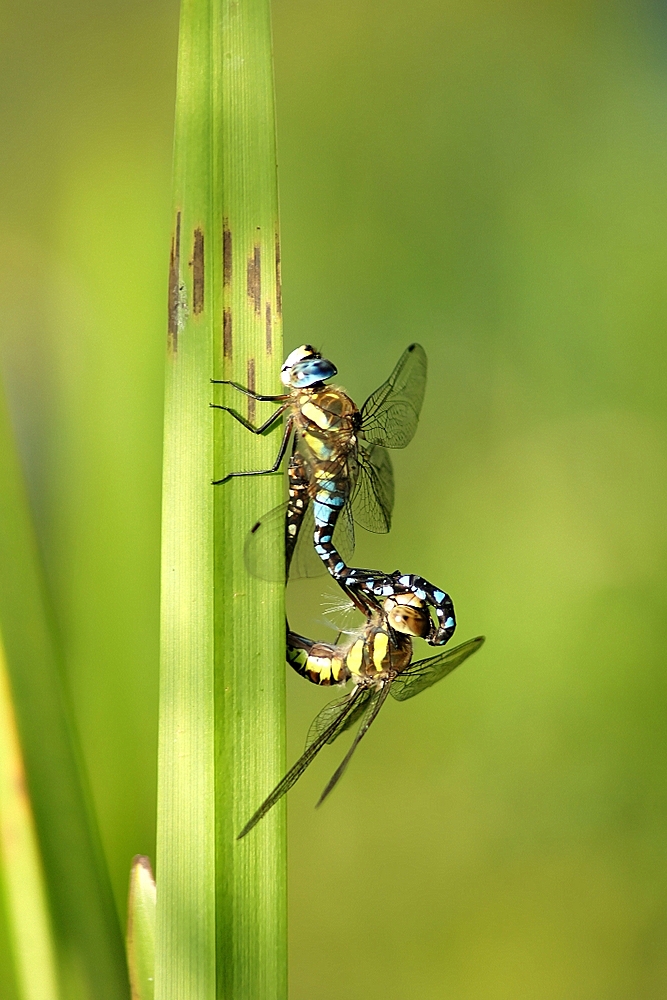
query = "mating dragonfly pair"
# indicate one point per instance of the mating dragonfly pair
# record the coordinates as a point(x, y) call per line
point(340, 472)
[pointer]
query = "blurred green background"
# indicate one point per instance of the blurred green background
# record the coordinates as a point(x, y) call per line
point(490, 180)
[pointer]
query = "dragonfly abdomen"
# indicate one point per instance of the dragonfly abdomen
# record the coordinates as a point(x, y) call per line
point(318, 662)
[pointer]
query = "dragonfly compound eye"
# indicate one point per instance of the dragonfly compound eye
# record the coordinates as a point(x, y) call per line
point(297, 361)
point(407, 614)
point(305, 373)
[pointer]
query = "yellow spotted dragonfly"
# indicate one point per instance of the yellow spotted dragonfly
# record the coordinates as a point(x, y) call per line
point(377, 659)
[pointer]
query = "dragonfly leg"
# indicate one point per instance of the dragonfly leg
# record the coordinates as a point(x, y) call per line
point(249, 392)
point(246, 423)
point(262, 472)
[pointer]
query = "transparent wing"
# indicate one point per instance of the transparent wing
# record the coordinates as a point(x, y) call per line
point(330, 712)
point(390, 415)
point(425, 673)
point(373, 496)
point(373, 706)
point(263, 544)
point(265, 538)
point(345, 707)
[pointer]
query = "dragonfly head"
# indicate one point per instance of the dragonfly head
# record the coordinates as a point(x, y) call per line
point(408, 614)
point(305, 367)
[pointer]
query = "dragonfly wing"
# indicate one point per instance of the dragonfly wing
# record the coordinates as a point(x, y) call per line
point(332, 711)
point(425, 673)
point(374, 704)
point(262, 552)
point(390, 415)
point(305, 561)
point(345, 706)
point(265, 538)
point(373, 496)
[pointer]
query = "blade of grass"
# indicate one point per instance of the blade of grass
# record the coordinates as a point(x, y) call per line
point(91, 960)
point(141, 930)
point(185, 850)
point(221, 904)
point(250, 615)
point(27, 910)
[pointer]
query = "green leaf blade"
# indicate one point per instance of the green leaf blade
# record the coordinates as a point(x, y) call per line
point(221, 909)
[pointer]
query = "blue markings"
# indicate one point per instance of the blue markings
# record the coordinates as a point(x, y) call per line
point(439, 596)
point(328, 492)
point(339, 566)
point(323, 514)
point(449, 623)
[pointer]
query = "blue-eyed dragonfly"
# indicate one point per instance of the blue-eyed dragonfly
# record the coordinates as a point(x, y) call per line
point(377, 659)
point(339, 466)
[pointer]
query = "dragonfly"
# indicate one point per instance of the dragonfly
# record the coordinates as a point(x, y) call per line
point(339, 470)
point(378, 660)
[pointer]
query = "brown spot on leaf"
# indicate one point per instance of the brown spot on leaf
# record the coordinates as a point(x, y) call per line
point(197, 264)
point(252, 404)
point(269, 329)
point(227, 333)
point(226, 254)
point(279, 287)
point(174, 272)
point(254, 273)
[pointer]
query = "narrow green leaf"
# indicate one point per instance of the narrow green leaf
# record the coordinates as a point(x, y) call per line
point(91, 960)
point(221, 906)
point(250, 614)
point(141, 930)
point(27, 909)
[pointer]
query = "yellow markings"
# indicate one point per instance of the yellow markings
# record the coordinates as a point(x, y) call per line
point(320, 665)
point(380, 644)
point(355, 656)
point(336, 668)
point(316, 415)
point(322, 449)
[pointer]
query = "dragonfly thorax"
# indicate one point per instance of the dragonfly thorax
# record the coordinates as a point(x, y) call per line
point(327, 408)
point(326, 423)
point(378, 654)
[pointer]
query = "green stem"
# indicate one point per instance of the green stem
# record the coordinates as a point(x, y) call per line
point(221, 904)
